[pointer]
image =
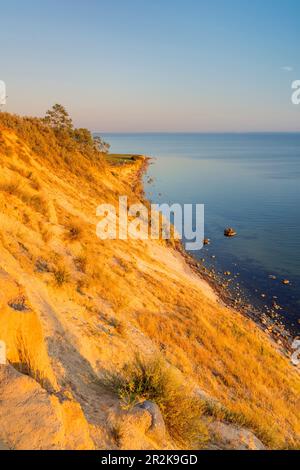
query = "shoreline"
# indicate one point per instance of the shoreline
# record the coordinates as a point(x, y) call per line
point(280, 337)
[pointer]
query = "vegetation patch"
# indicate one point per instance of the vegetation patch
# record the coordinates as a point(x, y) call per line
point(154, 380)
point(61, 276)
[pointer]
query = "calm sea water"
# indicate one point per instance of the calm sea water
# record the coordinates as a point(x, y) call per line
point(250, 182)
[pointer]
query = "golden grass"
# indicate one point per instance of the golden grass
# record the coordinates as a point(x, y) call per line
point(255, 384)
point(223, 353)
point(15, 187)
point(153, 380)
point(61, 275)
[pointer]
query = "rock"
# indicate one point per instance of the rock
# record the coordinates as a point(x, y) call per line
point(227, 273)
point(31, 418)
point(129, 427)
point(275, 305)
point(19, 304)
point(158, 427)
point(285, 281)
point(229, 232)
point(141, 427)
point(271, 276)
point(231, 437)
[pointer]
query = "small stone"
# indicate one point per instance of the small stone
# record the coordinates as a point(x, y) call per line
point(275, 305)
point(206, 241)
point(227, 273)
point(285, 282)
point(157, 427)
point(271, 276)
point(19, 304)
point(229, 232)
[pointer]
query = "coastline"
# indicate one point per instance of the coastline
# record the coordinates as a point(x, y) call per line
point(91, 306)
point(281, 337)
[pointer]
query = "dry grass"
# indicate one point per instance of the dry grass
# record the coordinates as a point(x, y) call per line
point(15, 187)
point(27, 363)
point(81, 263)
point(61, 276)
point(154, 380)
point(11, 187)
point(217, 349)
point(74, 232)
point(243, 371)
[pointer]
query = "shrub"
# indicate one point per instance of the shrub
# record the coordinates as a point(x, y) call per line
point(74, 232)
point(54, 140)
point(154, 380)
point(11, 187)
point(81, 263)
point(61, 276)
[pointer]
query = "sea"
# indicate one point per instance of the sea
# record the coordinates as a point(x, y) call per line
point(250, 182)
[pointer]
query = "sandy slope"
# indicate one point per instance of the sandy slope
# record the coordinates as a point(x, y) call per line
point(113, 299)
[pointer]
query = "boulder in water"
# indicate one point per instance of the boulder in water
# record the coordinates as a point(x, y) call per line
point(229, 232)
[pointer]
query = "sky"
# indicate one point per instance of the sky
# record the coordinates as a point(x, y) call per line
point(154, 65)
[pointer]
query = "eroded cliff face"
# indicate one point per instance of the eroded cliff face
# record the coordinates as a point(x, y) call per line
point(73, 307)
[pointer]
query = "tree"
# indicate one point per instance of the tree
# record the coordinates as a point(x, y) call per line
point(58, 118)
point(101, 145)
point(84, 137)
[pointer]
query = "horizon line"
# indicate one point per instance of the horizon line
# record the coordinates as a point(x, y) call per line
point(197, 132)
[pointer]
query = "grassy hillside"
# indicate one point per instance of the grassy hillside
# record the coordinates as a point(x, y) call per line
point(75, 310)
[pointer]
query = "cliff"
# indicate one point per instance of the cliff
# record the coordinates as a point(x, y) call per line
point(76, 309)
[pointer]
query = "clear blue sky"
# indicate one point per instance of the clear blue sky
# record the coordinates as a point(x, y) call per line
point(156, 65)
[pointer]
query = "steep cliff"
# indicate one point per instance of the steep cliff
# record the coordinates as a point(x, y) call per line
point(76, 309)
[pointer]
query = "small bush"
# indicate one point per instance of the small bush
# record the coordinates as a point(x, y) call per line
point(80, 263)
point(154, 380)
point(38, 203)
point(41, 266)
point(11, 187)
point(74, 232)
point(118, 325)
point(15, 188)
point(61, 276)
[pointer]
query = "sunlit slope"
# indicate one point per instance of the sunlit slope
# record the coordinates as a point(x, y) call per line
point(74, 307)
